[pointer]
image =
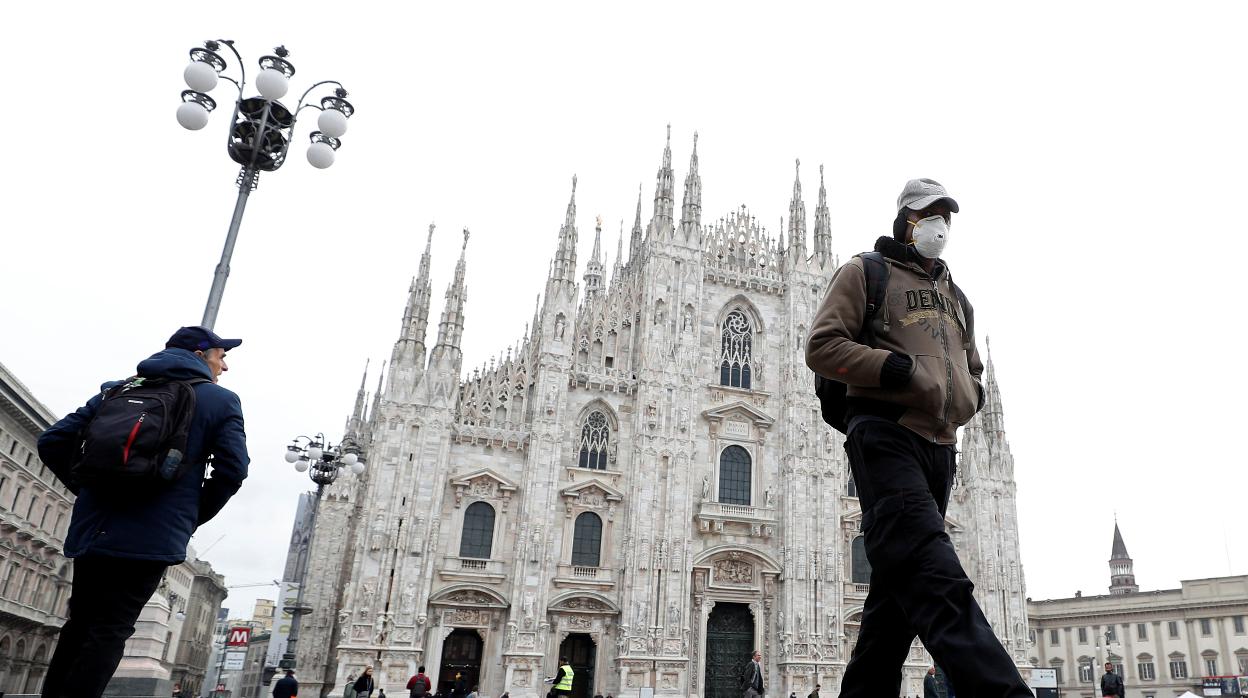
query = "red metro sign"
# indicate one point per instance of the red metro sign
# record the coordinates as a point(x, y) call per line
point(238, 637)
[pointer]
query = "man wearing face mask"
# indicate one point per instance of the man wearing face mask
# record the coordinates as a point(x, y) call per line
point(912, 378)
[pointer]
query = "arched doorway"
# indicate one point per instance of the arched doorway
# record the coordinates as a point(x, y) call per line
point(581, 652)
point(729, 644)
point(461, 654)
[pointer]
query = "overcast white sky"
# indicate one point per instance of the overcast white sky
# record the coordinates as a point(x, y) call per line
point(1097, 151)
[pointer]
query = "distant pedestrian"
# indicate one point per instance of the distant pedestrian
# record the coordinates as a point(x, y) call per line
point(814, 693)
point(381, 693)
point(419, 685)
point(929, 684)
point(459, 689)
point(898, 333)
point(287, 686)
point(752, 677)
point(136, 455)
point(563, 680)
point(349, 690)
point(473, 692)
point(364, 685)
point(1111, 683)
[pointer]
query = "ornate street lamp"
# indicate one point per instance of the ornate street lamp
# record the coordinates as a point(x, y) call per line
point(323, 462)
point(260, 130)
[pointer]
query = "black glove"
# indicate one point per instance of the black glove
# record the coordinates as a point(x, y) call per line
point(897, 371)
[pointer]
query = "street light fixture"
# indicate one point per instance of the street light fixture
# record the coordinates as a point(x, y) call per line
point(260, 130)
point(323, 462)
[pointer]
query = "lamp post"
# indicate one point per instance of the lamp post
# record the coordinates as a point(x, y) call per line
point(260, 130)
point(323, 462)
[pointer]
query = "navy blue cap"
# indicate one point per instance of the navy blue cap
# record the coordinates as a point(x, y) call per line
point(198, 338)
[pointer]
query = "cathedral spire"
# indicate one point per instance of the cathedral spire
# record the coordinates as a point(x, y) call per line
point(664, 191)
point(381, 384)
point(357, 414)
point(691, 208)
point(537, 309)
point(564, 268)
point(359, 395)
point(634, 243)
point(593, 270)
point(619, 254)
point(1121, 568)
point(407, 359)
point(994, 416)
point(797, 219)
point(823, 226)
point(451, 327)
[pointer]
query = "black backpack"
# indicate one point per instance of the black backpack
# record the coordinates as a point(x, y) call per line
point(137, 437)
point(831, 393)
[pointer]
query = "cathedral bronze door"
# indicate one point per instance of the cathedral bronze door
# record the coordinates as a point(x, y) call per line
point(461, 655)
point(729, 644)
point(581, 654)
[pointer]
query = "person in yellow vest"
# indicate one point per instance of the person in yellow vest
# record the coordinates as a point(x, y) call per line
point(563, 680)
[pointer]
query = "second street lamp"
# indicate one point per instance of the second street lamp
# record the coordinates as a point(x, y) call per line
point(323, 462)
point(260, 131)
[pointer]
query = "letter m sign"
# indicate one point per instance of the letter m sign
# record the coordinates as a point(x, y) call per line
point(238, 637)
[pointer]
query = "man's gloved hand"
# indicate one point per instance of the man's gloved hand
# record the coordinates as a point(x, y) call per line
point(897, 371)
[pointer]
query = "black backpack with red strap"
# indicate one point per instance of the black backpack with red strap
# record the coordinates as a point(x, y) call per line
point(137, 438)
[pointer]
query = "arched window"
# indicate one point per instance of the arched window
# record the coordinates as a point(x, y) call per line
point(594, 436)
point(734, 476)
point(478, 537)
point(587, 540)
point(852, 488)
point(860, 572)
point(736, 342)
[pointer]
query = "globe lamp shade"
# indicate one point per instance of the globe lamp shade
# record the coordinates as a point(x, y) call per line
point(272, 84)
point(292, 455)
point(320, 155)
point(200, 76)
point(192, 116)
point(357, 468)
point(332, 123)
point(302, 465)
point(315, 452)
point(350, 459)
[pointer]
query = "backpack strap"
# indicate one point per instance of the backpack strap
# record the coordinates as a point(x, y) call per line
point(877, 271)
point(968, 317)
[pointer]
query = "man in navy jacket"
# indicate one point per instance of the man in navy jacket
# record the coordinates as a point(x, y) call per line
point(122, 545)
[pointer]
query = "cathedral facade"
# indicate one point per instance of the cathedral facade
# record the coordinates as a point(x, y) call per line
point(642, 483)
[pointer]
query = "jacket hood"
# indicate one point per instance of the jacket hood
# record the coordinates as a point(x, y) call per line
point(176, 364)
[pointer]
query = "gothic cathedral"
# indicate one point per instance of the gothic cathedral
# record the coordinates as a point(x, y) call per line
point(642, 483)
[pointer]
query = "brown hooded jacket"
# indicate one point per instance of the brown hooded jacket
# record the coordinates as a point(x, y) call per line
point(922, 319)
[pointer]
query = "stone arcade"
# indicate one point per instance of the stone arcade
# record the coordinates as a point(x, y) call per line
point(642, 482)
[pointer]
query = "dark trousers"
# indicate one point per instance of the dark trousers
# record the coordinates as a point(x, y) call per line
point(107, 595)
point(918, 586)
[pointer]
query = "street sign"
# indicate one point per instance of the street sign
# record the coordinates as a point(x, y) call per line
point(1044, 683)
point(234, 661)
point(239, 636)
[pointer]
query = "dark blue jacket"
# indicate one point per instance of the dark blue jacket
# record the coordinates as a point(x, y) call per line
point(156, 526)
point(286, 687)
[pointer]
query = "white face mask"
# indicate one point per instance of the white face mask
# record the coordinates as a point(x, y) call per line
point(930, 236)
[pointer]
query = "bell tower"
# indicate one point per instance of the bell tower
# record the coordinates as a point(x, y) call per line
point(1121, 569)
